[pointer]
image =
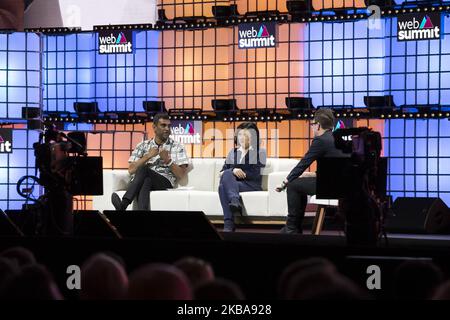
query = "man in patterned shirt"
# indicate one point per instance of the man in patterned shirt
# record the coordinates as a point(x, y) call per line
point(155, 164)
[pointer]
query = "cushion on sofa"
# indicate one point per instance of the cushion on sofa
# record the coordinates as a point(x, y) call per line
point(206, 201)
point(200, 174)
point(175, 200)
point(256, 203)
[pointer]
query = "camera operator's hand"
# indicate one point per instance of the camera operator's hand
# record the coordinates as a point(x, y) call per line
point(239, 173)
point(153, 152)
point(164, 154)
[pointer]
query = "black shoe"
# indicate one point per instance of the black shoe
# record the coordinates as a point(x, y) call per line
point(229, 229)
point(236, 207)
point(117, 203)
point(287, 230)
point(228, 226)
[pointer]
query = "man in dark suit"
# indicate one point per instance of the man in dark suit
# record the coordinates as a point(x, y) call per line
point(299, 183)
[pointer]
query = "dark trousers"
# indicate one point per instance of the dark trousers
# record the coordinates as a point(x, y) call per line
point(229, 189)
point(297, 198)
point(144, 181)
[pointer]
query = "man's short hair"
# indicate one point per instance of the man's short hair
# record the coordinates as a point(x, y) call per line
point(161, 115)
point(325, 118)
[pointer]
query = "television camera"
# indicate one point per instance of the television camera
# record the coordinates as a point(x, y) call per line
point(65, 170)
point(358, 181)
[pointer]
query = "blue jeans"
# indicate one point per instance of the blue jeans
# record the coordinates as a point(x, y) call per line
point(229, 189)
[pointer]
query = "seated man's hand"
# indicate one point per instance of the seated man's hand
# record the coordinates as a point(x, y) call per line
point(239, 173)
point(153, 152)
point(308, 174)
point(164, 154)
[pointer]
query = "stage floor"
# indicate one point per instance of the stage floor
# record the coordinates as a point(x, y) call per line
point(257, 233)
point(342, 234)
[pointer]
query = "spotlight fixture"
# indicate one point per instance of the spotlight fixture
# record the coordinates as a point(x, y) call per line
point(299, 103)
point(196, 22)
point(31, 112)
point(222, 13)
point(298, 8)
point(377, 102)
point(154, 106)
point(379, 105)
point(162, 18)
point(224, 105)
point(86, 107)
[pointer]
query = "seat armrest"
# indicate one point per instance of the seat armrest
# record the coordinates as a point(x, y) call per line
point(275, 179)
point(113, 180)
point(277, 200)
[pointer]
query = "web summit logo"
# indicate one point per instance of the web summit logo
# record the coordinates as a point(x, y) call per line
point(255, 35)
point(419, 27)
point(109, 42)
point(6, 145)
point(187, 132)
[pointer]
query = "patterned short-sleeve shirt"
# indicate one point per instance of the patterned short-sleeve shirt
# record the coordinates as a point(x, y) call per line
point(176, 151)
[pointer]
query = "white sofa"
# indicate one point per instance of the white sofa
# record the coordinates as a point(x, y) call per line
point(199, 191)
